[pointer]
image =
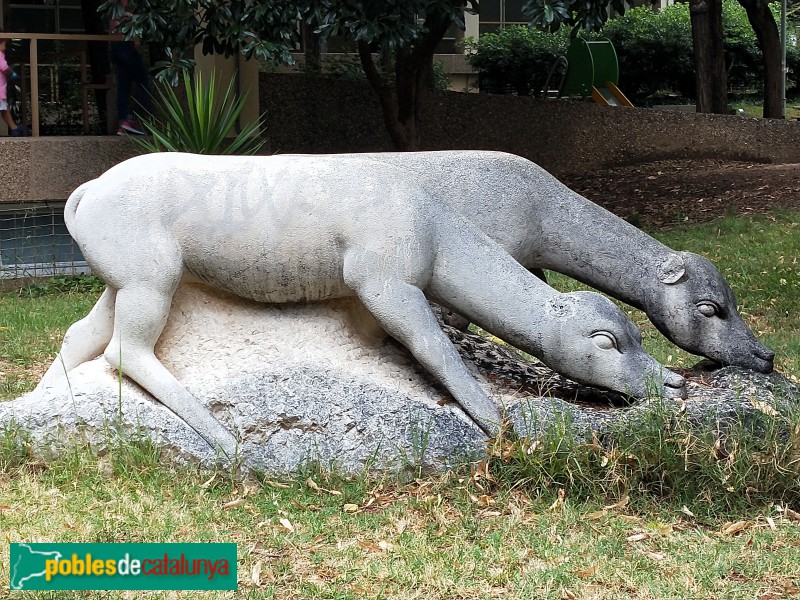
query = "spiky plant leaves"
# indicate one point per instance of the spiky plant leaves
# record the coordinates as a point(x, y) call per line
point(203, 125)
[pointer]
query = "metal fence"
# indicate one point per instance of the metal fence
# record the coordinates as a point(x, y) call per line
point(34, 242)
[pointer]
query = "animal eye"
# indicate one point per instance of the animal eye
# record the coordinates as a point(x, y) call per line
point(707, 309)
point(604, 340)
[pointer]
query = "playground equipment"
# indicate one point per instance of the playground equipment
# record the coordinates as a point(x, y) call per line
point(593, 70)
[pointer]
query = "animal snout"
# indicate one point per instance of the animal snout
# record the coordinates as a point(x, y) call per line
point(764, 353)
point(674, 385)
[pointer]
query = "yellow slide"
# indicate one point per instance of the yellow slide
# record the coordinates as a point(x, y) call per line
point(610, 95)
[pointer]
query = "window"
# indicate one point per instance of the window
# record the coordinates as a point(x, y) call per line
point(45, 16)
point(499, 13)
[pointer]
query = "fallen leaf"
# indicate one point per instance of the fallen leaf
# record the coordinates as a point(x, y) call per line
point(588, 572)
point(629, 518)
point(208, 482)
point(685, 510)
point(385, 546)
point(233, 504)
point(593, 516)
point(5, 507)
point(485, 500)
point(370, 546)
point(313, 485)
point(277, 484)
point(622, 503)
point(655, 555)
point(350, 508)
point(400, 526)
point(637, 537)
point(792, 514)
point(255, 577)
point(567, 595)
point(287, 524)
point(559, 501)
point(735, 527)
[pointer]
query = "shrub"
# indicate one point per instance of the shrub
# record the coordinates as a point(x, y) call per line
point(654, 50)
point(515, 60)
point(201, 125)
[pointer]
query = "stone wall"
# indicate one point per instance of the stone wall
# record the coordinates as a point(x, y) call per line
point(50, 168)
point(321, 115)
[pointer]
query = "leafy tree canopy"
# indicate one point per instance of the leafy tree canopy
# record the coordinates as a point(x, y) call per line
point(267, 29)
point(590, 15)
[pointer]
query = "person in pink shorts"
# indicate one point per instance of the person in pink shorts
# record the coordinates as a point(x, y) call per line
point(7, 73)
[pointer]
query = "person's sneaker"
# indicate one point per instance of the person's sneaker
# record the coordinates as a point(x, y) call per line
point(129, 126)
point(17, 132)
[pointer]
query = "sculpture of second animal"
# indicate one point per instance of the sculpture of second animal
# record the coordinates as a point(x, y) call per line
point(545, 225)
point(289, 229)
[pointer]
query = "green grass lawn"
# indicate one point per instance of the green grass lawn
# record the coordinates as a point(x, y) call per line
point(491, 530)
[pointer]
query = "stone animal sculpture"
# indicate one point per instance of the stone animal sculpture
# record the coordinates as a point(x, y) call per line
point(287, 229)
point(545, 225)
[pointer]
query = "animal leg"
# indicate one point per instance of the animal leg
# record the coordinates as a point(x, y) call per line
point(141, 313)
point(404, 312)
point(84, 340)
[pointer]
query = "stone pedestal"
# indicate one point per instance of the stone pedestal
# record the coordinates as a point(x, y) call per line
point(299, 383)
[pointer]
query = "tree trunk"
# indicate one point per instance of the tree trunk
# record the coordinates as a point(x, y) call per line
point(766, 30)
point(400, 124)
point(413, 75)
point(312, 48)
point(709, 56)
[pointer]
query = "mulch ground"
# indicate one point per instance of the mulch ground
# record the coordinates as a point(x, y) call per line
point(671, 192)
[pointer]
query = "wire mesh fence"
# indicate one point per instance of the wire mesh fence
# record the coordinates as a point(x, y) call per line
point(34, 242)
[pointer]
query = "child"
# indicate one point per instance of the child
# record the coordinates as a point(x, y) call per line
point(7, 73)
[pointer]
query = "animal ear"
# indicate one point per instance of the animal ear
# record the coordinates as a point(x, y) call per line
point(671, 269)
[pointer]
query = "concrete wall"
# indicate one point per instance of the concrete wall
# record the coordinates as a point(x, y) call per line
point(317, 115)
point(50, 168)
point(322, 115)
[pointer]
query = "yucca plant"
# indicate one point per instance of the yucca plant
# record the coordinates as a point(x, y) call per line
point(203, 124)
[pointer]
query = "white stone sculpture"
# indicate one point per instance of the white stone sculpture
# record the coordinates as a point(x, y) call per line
point(287, 229)
point(545, 225)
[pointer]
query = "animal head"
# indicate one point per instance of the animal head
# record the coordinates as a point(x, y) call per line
point(695, 308)
point(593, 342)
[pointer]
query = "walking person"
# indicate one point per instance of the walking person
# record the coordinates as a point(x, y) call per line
point(7, 73)
point(132, 82)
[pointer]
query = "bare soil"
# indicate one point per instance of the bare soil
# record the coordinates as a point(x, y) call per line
point(666, 193)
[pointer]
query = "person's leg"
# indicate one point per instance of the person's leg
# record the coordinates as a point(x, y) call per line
point(141, 81)
point(119, 54)
point(8, 120)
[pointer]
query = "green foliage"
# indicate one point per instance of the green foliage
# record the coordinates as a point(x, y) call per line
point(347, 67)
point(654, 50)
point(515, 59)
point(203, 124)
point(664, 453)
point(267, 29)
point(590, 15)
point(64, 284)
point(655, 53)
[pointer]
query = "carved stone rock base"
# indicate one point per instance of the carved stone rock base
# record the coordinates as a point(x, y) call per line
point(297, 383)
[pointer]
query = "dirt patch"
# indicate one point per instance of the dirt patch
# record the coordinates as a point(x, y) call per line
point(670, 192)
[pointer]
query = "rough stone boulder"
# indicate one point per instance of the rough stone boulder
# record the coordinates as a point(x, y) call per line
point(299, 383)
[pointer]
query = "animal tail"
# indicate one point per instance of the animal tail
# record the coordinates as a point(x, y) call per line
point(71, 208)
